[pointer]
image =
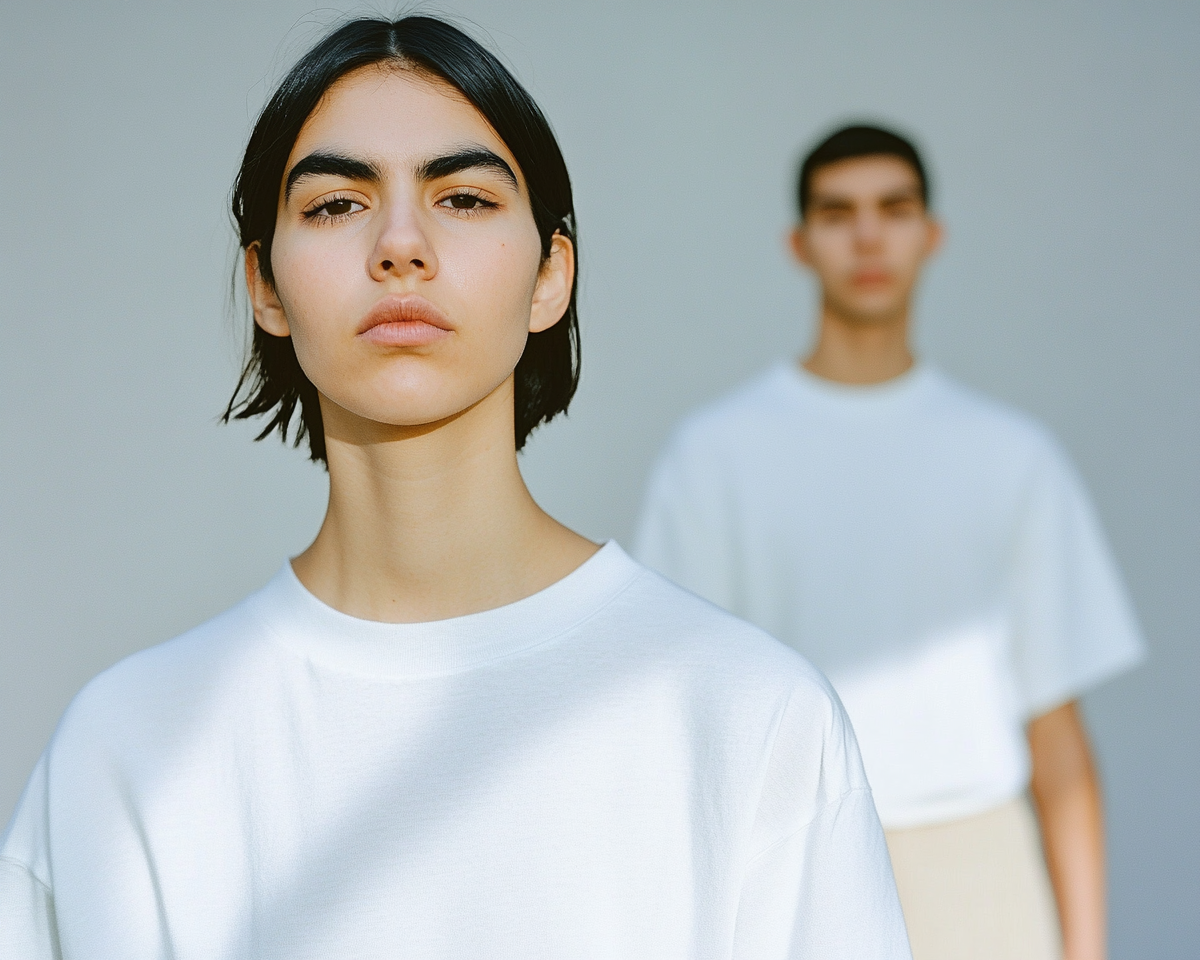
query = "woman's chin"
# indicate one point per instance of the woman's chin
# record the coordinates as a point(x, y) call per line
point(397, 417)
point(416, 401)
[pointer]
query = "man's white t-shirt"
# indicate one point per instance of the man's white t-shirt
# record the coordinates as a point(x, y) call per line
point(930, 550)
point(610, 768)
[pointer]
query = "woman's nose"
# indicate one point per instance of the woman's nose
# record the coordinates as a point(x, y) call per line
point(403, 246)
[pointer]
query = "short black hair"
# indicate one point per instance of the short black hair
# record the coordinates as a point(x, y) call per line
point(273, 382)
point(858, 140)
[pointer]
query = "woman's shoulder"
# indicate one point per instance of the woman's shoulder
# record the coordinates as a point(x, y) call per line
point(745, 691)
point(161, 681)
point(698, 640)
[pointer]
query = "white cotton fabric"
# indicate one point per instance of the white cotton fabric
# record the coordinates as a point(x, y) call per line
point(932, 551)
point(610, 768)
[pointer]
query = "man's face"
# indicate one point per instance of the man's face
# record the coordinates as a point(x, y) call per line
point(866, 234)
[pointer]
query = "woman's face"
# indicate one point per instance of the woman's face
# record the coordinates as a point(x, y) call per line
point(407, 267)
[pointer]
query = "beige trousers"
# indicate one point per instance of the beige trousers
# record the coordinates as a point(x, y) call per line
point(977, 888)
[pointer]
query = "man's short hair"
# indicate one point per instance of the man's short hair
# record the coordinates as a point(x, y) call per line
point(858, 141)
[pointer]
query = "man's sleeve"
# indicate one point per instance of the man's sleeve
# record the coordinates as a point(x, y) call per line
point(27, 927)
point(684, 531)
point(825, 892)
point(1075, 625)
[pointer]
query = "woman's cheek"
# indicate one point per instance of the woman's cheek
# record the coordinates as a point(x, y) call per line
point(497, 289)
point(514, 280)
point(310, 306)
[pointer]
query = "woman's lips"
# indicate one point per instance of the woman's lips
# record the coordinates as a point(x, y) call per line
point(407, 321)
point(404, 333)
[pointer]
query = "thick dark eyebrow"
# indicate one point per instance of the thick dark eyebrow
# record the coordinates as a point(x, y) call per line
point(901, 195)
point(841, 202)
point(331, 164)
point(465, 159)
point(830, 202)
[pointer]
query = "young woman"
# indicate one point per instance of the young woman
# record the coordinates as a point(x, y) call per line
point(451, 727)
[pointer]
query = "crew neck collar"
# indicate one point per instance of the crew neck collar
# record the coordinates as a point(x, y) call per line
point(897, 391)
point(323, 635)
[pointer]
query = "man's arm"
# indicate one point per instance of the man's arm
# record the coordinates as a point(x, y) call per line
point(1066, 792)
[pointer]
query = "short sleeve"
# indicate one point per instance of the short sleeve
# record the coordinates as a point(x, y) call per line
point(28, 930)
point(825, 892)
point(1074, 623)
point(820, 884)
point(27, 927)
point(684, 530)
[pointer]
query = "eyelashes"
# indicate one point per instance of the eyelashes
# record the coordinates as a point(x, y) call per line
point(333, 210)
point(467, 201)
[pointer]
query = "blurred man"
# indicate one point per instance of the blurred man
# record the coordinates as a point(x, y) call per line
point(934, 552)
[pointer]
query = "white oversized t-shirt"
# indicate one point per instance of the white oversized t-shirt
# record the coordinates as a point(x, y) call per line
point(930, 550)
point(610, 768)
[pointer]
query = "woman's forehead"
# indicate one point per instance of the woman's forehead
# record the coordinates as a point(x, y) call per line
point(396, 115)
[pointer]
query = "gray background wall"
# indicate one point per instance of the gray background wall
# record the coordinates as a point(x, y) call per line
point(1065, 142)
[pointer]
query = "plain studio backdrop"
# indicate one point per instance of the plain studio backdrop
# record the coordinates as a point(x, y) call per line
point(1064, 142)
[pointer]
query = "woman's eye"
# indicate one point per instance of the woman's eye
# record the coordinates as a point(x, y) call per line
point(335, 209)
point(466, 201)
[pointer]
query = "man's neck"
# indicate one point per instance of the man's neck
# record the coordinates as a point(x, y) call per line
point(860, 352)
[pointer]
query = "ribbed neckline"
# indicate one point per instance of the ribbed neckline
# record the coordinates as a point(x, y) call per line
point(317, 632)
point(892, 394)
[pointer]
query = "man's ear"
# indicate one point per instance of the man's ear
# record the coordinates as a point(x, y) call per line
point(936, 236)
point(268, 311)
point(555, 281)
point(798, 243)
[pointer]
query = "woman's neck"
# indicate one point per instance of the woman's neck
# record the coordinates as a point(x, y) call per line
point(432, 523)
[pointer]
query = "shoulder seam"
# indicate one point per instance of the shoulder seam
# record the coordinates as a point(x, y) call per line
point(26, 868)
point(767, 769)
point(840, 798)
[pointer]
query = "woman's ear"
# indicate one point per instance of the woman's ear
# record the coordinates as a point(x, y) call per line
point(556, 279)
point(268, 311)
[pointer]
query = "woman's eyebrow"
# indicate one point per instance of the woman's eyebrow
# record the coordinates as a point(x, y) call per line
point(465, 159)
point(331, 164)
